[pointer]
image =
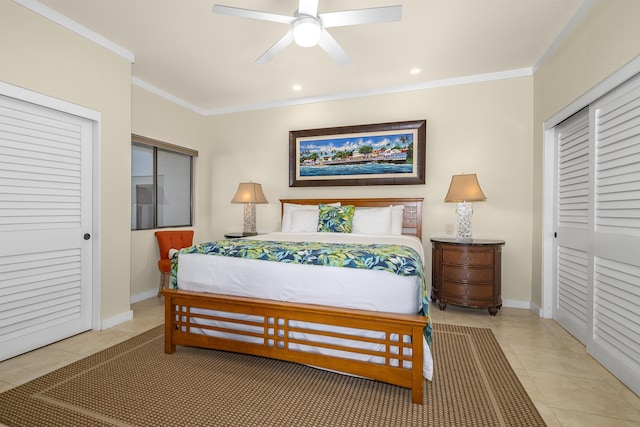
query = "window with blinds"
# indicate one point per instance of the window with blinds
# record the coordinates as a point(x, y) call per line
point(161, 184)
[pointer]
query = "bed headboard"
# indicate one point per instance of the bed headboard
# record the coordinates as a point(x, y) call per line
point(411, 222)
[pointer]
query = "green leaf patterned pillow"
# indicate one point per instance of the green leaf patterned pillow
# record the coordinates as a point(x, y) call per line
point(335, 219)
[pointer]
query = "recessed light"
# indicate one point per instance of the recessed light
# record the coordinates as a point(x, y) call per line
point(415, 71)
point(297, 87)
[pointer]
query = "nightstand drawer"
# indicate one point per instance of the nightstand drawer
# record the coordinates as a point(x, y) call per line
point(481, 293)
point(467, 256)
point(462, 274)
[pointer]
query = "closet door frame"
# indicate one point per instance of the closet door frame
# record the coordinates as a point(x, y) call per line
point(549, 175)
point(43, 100)
point(609, 330)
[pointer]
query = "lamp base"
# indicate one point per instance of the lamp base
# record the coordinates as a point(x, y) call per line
point(465, 210)
point(249, 220)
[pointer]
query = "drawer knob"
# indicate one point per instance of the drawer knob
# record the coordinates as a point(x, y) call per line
point(467, 291)
point(468, 274)
point(467, 258)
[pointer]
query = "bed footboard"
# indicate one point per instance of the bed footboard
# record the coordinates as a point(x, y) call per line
point(273, 329)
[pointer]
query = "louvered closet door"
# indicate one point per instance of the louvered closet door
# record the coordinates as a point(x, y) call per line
point(45, 210)
point(572, 308)
point(616, 234)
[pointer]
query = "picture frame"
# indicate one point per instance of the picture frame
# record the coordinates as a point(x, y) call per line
point(371, 154)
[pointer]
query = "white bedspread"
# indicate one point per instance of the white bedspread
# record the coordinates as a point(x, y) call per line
point(332, 286)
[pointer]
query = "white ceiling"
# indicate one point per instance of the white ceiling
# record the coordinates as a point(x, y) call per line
point(206, 61)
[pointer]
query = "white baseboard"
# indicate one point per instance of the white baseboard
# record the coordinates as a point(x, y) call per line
point(128, 315)
point(536, 309)
point(116, 320)
point(143, 296)
point(527, 305)
point(514, 303)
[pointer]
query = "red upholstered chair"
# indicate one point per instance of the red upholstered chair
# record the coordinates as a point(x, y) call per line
point(171, 239)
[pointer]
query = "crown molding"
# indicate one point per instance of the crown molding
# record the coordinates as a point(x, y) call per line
point(457, 81)
point(166, 95)
point(47, 12)
point(71, 25)
point(582, 10)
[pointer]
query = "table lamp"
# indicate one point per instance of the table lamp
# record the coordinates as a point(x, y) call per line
point(250, 194)
point(464, 189)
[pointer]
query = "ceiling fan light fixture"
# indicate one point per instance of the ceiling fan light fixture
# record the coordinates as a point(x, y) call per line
point(307, 31)
point(308, 28)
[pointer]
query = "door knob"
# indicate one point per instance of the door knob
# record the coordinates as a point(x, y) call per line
point(87, 236)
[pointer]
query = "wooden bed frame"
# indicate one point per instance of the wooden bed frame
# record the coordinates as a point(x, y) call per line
point(270, 326)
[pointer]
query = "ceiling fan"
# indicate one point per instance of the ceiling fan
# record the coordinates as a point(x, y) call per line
point(308, 27)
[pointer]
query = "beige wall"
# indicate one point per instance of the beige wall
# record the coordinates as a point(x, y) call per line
point(493, 129)
point(43, 57)
point(483, 128)
point(607, 38)
point(157, 118)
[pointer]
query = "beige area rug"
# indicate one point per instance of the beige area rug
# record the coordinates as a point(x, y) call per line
point(135, 384)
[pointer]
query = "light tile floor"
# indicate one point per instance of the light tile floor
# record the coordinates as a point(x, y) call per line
point(568, 386)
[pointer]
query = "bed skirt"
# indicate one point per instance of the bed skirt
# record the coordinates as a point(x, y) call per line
point(275, 329)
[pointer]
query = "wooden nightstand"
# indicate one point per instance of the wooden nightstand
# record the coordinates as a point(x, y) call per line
point(467, 273)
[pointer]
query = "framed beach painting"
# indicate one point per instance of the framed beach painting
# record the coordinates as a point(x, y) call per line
point(375, 154)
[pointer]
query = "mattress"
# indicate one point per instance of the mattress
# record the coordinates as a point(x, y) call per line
point(333, 286)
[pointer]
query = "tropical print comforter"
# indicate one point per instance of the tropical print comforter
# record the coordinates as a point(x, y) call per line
point(397, 259)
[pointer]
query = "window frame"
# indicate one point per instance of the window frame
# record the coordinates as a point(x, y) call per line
point(156, 145)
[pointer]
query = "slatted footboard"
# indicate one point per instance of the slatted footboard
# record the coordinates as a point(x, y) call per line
point(272, 329)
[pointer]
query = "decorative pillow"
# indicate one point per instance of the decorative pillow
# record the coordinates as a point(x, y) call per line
point(335, 219)
point(397, 217)
point(289, 208)
point(372, 221)
point(304, 221)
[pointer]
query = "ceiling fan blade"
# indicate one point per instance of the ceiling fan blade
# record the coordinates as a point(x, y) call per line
point(308, 7)
point(361, 16)
point(252, 14)
point(335, 51)
point(276, 48)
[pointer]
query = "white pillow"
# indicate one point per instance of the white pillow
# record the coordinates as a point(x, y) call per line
point(292, 207)
point(372, 221)
point(397, 216)
point(304, 221)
